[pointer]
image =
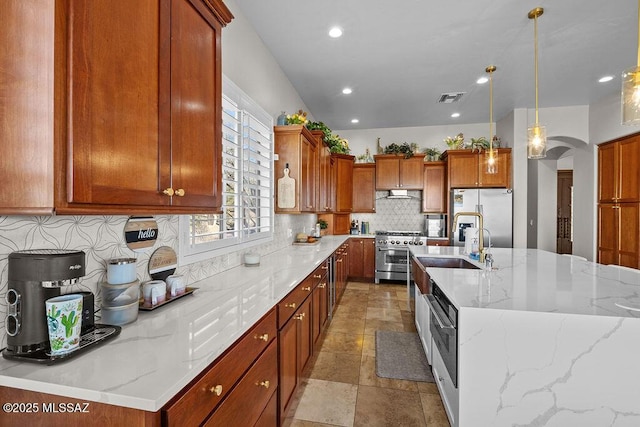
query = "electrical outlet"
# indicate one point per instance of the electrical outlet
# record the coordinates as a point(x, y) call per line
point(289, 232)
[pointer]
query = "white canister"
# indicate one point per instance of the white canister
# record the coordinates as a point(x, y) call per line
point(154, 292)
point(121, 270)
point(470, 233)
point(176, 284)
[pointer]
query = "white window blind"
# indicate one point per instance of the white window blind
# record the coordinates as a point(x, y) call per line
point(247, 183)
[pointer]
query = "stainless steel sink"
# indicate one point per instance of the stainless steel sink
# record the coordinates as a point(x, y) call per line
point(446, 262)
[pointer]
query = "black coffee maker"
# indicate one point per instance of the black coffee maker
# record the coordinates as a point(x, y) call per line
point(34, 277)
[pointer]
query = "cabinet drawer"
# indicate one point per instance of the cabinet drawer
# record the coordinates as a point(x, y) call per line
point(201, 398)
point(269, 417)
point(248, 399)
point(294, 300)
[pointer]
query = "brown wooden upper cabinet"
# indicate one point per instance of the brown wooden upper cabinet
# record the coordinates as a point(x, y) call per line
point(343, 178)
point(364, 190)
point(118, 84)
point(323, 193)
point(467, 169)
point(297, 148)
point(394, 172)
point(619, 170)
point(434, 192)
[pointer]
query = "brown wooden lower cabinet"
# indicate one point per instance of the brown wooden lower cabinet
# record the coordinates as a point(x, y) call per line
point(619, 234)
point(99, 414)
point(362, 253)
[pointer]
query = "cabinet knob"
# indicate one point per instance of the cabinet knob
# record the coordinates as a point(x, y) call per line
point(317, 276)
point(180, 192)
point(292, 305)
point(322, 285)
point(340, 260)
point(299, 317)
point(168, 191)
point(217, 390)
point(307, 288)
point(263, 337)
point(264, 384)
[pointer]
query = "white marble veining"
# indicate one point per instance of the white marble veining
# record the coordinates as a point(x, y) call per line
point(159, 354)
point(544, 340)
point(540, 281)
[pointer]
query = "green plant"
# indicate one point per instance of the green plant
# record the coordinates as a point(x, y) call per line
point(323, 224)
point(456, 142)
point(319, 126)
point(338, 145)
point(480, 144)
point(404, 149)
point(299, 118)
point(432, 151)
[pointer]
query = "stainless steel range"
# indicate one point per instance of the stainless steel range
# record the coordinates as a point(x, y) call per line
point(392, 253)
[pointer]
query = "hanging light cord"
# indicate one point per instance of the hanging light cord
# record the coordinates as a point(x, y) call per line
point(491, 110)
point(535, 60)
point(638, 33)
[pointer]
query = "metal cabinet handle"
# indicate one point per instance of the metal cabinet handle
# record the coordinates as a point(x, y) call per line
point(307, 288)
point(263, 337)
point(317, 276)
point(217, 390)
point(264, 384)
point(292, 305)
point(168, 191)
point(443, 324)
point(322, 285)
point(180, 192)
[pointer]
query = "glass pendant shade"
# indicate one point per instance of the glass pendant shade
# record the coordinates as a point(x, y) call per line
point(536, 142)
point(491, 160)
point(631, 96)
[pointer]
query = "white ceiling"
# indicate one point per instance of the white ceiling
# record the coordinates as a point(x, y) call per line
point(400, 56)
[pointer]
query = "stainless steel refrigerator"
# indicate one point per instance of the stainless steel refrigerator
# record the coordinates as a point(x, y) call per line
point(496, 207)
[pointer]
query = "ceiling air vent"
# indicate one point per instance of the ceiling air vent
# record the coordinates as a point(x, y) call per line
point(451, 97)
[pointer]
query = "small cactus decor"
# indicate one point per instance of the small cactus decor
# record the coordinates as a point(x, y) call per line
point(64, 315)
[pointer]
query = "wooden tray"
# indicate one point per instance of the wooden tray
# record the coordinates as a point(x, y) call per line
point(317, 242)
point(188, 291)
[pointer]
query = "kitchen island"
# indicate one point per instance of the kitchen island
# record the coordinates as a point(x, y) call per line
point(162, 352)
point(542, 339)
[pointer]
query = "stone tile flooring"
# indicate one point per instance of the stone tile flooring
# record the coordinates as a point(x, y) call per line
point(341, 387)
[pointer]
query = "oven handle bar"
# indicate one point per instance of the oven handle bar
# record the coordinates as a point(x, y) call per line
point(438, 313)
point(396, 248)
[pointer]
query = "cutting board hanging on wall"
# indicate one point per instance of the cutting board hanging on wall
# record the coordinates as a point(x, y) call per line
point(286, 190)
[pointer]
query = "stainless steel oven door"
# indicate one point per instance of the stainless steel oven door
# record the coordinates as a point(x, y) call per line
point(444, 335)
point(392, 259)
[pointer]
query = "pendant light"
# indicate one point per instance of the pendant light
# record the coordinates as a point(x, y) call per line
point(631, 89)
point(492, 154)
point(537, 134)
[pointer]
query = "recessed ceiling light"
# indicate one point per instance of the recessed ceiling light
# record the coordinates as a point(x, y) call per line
point(355, 121)
point(335, 32)
point(347, 90)
point(482, 80)
point(455, 115)
point(605, 79)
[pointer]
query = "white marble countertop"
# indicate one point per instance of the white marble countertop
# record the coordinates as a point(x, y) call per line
point(538, 281)
point(160, 353)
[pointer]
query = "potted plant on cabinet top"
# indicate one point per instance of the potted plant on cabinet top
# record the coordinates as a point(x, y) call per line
point(455, 143)
point(431, 154)
point(405, 149)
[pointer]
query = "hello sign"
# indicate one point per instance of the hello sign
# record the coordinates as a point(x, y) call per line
point(141, 233)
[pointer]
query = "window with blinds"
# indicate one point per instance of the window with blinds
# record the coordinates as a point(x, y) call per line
point(247, 163)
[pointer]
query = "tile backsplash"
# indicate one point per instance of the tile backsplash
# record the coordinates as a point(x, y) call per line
point(395, 214)
point(102, 238)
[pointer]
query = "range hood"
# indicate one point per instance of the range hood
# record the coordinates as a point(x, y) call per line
point(398, 194)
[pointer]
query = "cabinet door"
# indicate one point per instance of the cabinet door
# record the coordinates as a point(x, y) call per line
point(629, 235)
point(629, 170)
point(324, 186)
point(411, 171)
point(434, 192)
point(356, 257)
point(463, 169)
point(305, 343)
point(607, 233)
point(369, 259)
point(309, 170)
point(196, 137)
point(26, 102)
point(501, 179)
point(364, 191)
point(344, 183)
point(117, 63)
point(607, 173)
point(387, 173)
point(288, 365)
